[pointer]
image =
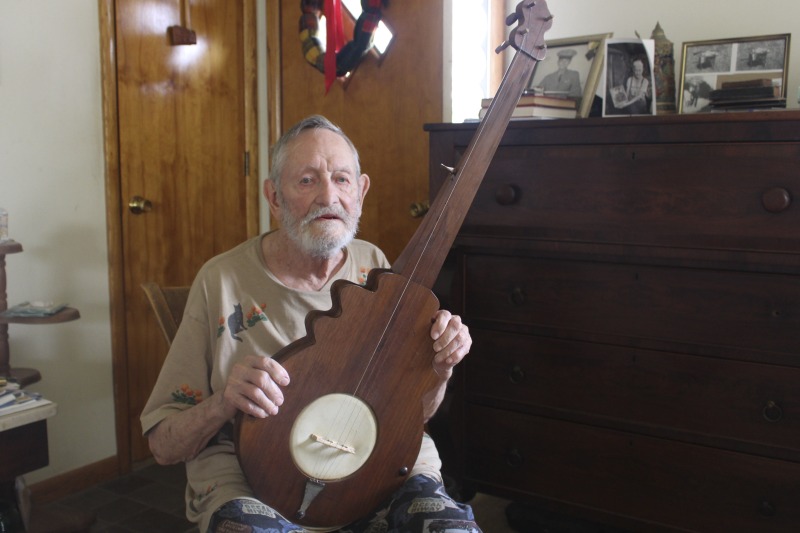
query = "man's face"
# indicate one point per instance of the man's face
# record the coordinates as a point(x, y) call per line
point(563, 63)
point(319, 203)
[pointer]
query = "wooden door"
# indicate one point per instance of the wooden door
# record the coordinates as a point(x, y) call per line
point(383, 108)
point(184, 132)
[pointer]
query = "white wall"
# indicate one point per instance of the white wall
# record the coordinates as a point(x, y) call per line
point(682, 21)
point(51, 183)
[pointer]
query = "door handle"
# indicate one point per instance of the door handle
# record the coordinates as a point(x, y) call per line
point(139, 205)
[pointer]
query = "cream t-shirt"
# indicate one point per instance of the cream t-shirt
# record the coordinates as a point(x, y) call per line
point(236, 307)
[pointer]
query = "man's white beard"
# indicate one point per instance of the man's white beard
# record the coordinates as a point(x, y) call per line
point(322, 238)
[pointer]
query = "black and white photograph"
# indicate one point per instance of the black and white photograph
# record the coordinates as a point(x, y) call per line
point(715, 57)
point(761, 55)
point(629, 86)
point(571, 70)
point(746, 72)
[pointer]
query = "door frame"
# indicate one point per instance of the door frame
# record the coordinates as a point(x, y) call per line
point(114, 201)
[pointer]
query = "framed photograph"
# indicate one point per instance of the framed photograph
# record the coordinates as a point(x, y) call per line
point(571, 69)
point(707, 65)
point(629, 83)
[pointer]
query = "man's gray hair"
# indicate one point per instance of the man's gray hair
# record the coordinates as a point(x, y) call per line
point(279, 150)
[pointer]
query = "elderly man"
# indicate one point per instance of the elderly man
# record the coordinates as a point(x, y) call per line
point(248, 303)
point(637, 87)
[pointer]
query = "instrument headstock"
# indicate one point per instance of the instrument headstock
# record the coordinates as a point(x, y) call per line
point(533, 19)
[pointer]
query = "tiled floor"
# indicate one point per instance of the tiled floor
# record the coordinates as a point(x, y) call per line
point(150, 500)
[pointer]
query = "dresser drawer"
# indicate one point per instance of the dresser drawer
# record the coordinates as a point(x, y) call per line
point(712, 309)
point(718, 196)
point(688, 397)
point(693, 488)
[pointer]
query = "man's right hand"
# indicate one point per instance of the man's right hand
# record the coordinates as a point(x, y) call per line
point(254, 387)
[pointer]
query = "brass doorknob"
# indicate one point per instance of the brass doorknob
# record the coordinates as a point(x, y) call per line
point(139, 205)
point(418, 209)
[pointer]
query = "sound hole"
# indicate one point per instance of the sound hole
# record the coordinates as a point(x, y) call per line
point(333, 437)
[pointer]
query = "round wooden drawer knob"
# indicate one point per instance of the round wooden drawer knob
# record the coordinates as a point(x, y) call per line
point(766, 508)
point(516, 375)
point(517, 296)
point(772, 412)
point(507, 195)
point(776, 199)
point(514, 457)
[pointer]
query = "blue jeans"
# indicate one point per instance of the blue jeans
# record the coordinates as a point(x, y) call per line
point(420, 505)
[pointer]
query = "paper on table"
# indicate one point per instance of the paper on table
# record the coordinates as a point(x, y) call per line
point(34, 309)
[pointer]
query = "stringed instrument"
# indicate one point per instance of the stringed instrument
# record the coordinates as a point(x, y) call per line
point(350, 428)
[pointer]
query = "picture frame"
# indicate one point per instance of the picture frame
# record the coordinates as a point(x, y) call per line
point(584, 67)
point(629, 82)
point(706, 65)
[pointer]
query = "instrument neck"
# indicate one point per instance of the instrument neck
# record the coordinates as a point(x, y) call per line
point(423, 257)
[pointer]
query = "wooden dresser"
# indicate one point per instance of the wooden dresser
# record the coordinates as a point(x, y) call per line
point(632, 287)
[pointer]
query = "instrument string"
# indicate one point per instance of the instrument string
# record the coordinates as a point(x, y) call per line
point(346, 420)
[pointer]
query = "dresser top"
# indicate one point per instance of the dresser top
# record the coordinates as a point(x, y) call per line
point(781, 125)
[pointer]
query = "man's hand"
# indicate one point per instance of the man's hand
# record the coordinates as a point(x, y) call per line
point(254, 387)
point(451, 342)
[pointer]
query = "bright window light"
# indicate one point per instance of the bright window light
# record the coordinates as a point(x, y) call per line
point(383, 36)
point(470, 56)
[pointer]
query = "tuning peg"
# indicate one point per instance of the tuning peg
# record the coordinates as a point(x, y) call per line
point(514, 17)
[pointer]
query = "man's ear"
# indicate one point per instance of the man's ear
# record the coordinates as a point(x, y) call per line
point(364, 186)
point(271, 195)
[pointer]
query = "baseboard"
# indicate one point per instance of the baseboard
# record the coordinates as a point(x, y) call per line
point(74, 481)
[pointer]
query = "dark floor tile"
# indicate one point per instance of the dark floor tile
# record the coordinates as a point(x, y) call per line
point(89, 499)
point(106, 528)
point(119, 510)
point(173, 475)
point(127, 484)
point(163, 497)
point(55, 518)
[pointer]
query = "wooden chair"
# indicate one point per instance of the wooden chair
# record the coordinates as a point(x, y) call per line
point(168, 304)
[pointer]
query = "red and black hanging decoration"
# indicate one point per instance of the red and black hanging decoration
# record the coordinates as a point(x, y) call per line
point(337, 57)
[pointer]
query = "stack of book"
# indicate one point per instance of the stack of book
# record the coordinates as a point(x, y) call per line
point(534, 106)
point(14, 399)
point(746, 95)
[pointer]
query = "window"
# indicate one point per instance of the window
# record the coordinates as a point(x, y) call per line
point(471, 54)
point(383, 35)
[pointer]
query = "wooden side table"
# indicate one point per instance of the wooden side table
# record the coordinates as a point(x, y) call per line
point(25, 376)
point(23, 434)
point(23, 445)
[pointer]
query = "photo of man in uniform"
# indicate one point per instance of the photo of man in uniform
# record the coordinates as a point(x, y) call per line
point(564, 81)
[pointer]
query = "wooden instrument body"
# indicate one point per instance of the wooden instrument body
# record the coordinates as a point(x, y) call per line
point(404, 349)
